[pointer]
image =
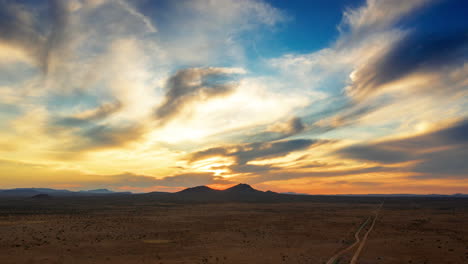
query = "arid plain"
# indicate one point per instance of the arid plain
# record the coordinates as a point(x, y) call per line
point(140, 229)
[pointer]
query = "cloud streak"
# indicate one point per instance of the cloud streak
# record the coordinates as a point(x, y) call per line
point(255, 151)
point(435, 154)
point(194, 85)
point(413, 53)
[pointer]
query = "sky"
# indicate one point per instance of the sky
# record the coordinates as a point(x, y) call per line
point(318, 97)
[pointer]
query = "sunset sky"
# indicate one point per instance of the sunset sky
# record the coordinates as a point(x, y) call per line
point(319, 97)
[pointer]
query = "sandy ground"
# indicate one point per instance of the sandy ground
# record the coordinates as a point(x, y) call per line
point(107, 231)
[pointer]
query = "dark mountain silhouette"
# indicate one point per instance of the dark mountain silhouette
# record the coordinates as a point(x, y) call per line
point(199, 189)
point(242, 188)
point(238, 193)
point(30, 192)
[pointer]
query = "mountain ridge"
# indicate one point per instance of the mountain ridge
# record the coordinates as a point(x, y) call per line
point(239, 192)
point(31, 192)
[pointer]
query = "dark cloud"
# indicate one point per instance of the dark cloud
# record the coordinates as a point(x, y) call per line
point(443, 164)
point(55, 48)
point(452, 136)
point(212, 152)
point(441, 153)
point(414, 53)
point(87, 117)
point(255, 151)
point(355, 112)
point(19, 28)
point(281, 175)
point(90, 130)
point(191, 85)
point(276, 131)
point(376, 153)
point(104, 136)
point(295, 126)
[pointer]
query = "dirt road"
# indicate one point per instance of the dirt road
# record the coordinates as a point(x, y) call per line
point(334, 258)
point(363, 242)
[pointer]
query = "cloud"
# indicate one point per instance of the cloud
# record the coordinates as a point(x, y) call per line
point(277, 131)
point(443, 164)
point(94, 129)
point(87, 117)
point(133, 11)
point(55, 49)
point(378, 15)
point(47, 174)
point(291, 127)
point(205, 32)
point(19, 27)
point(379, 62)
point(178, 180)
point(413, 53)
point(284, 175)
point(439, 153)
point(18, 30)
point(193, 85)
point(382, 154)
point(248, 168)
point(106, 136)
point(255, 151)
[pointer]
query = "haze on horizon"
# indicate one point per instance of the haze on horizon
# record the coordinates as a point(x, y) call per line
point(319, 97)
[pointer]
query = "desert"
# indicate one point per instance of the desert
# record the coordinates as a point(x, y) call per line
point(299, 229)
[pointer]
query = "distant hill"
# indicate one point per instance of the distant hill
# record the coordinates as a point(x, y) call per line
point(30, 192)
point(238, 193)
point(246, 193)
point(242, 189)
point(198, 189)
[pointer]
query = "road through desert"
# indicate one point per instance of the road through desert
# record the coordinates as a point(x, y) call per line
point(358, 251)
point(357, 241)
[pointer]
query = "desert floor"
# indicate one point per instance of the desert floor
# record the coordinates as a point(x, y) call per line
point(121, 230)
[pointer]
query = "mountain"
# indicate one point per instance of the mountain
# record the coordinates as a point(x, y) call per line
point(237, 193)
point(242, 188)
point(198, 189)
point(30, 192)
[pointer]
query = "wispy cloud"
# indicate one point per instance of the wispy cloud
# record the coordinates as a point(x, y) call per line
point(439, 153)
point(194, 85)
point(255, 151)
